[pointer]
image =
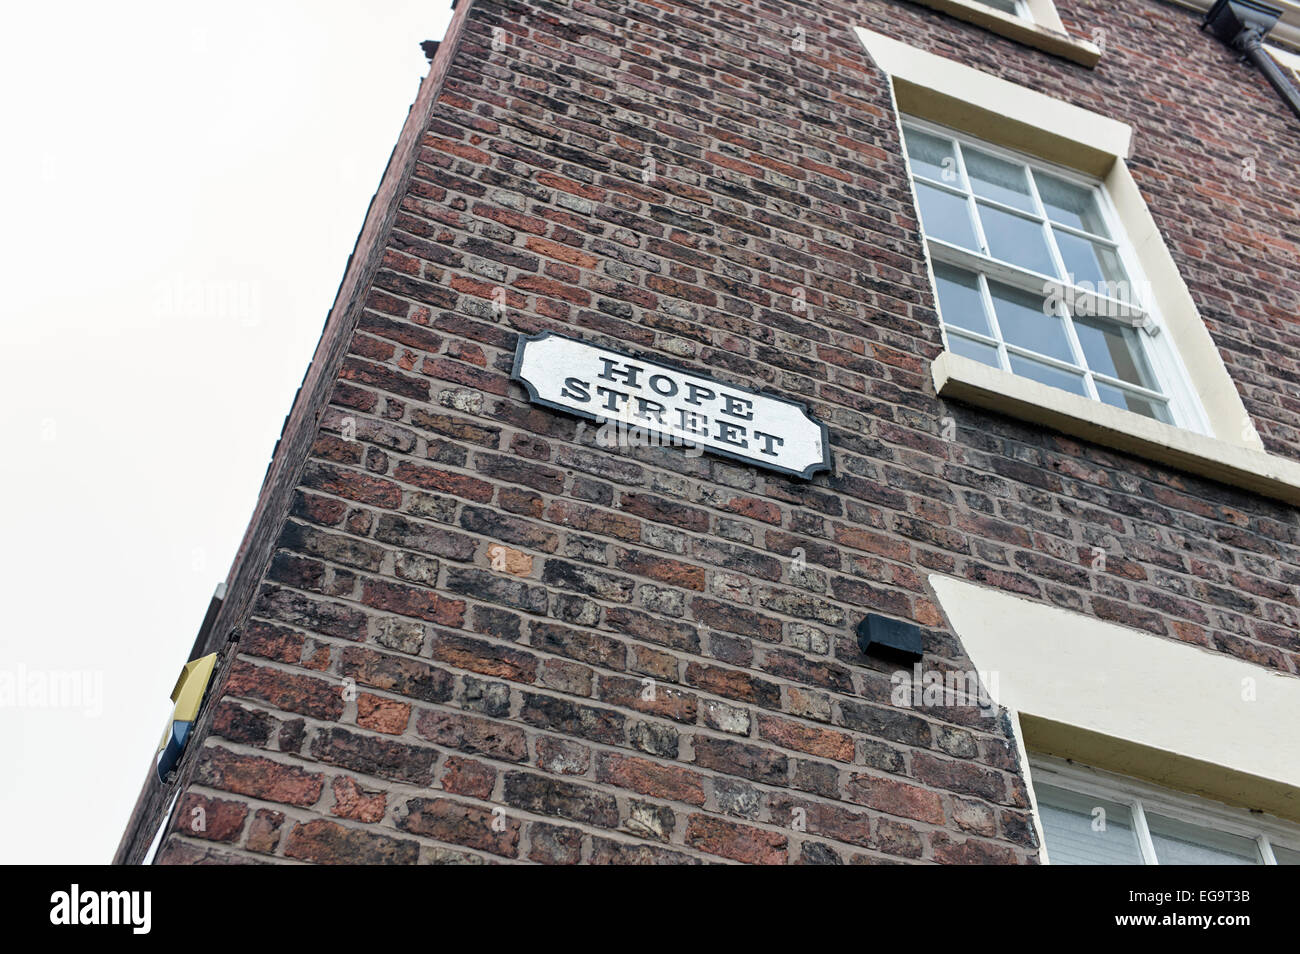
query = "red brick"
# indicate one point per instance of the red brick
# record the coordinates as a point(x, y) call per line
point(351, 801)
point(745, 843)
point(382, 715)
point(259, 777)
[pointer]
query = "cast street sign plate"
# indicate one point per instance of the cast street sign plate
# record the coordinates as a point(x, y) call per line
point(609, 386)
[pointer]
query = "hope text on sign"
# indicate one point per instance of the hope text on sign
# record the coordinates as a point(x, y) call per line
point(604, 385)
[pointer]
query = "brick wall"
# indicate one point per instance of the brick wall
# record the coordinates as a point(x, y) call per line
point(643, 673)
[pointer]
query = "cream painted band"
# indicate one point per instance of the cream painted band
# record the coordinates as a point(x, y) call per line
point(1129, 702)
point(941, 90)
point(962, 379)
point(1043, 32)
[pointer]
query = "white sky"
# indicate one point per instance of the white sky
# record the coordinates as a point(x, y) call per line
point(180, 187)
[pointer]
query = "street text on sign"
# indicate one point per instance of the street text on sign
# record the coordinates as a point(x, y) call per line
point(604, 385)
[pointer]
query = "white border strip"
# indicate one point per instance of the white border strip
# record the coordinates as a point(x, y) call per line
point(1128, 685)
point(1062, 120)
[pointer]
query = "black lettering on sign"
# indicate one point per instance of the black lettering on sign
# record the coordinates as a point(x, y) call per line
point(685, 405)
point(730, 433)
point(577, 389)
point(737, 407)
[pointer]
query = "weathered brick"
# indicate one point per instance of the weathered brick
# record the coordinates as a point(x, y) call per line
point(673, 782)
point(412, 601)
point(456, 823)
point(736, 758)
point(554, 844)
point(258, 777)
point(212, 819)
point(826, 743)
point(483, 657)
point(382, 715)
point(895, 798)
point(739, 842)
point(548, 796)
point(607, 852)
point(264, 831)
point(473, 735)
point(369, 755)
point(351, 801)
point(286, 690)
point(572, 718)
point(408, 677)
point(468, 777)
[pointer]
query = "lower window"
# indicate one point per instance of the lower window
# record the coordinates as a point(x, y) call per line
point(1091, 817)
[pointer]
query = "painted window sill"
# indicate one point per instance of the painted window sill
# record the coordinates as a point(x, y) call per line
point(1019, 29)
point(961, 379)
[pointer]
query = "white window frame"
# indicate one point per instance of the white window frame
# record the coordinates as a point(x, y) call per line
point(994, 109)
point(1139, 797)
point(1022, 9)
point(1104, 694)
point(1166, 365)
point(1035, 24)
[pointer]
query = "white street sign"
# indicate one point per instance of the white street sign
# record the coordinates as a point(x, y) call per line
point(693, 411)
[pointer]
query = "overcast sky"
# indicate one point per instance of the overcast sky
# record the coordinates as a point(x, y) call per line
point(180, 187)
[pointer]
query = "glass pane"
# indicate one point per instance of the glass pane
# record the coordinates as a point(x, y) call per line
point(1017, 240)
point(1070, 204)
point(1115, 351)
point(960, 301)
point(976, 350)
point(1006, 6)
point(1178, 843)
point(1021, 318)
point(946, 216)
point(1286, 856)
point(1085, 830)
point(1046, 374)
point(932, 157)
point(997, 179)
point(1095, 264)
point(1118, 397)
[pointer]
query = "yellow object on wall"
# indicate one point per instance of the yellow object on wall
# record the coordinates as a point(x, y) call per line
point(191, 686)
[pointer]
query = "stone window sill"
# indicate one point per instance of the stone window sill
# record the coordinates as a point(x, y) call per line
point(1057, 42)
point(971, 382)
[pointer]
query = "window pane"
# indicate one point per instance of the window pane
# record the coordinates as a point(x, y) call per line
point(1070, 204)
point(1118, 397)
point(1021, 318)
point(1094, 263)
point(1006, 6)
point(960, 301)
point(1084, 830)
point(1286, 856)
point(1017, 240)
point(976, 350)
point(997, 179)
point(931, 156)
point(946, 216)
point(1178, 843)
point(1115, 351)
point(1046, 374)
